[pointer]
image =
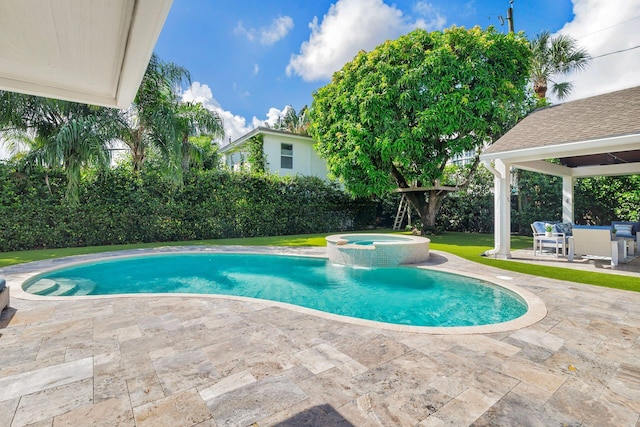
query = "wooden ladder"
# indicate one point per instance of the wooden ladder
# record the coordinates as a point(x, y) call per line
point(403, 209)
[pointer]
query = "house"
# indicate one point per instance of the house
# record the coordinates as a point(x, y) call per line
point(285, 153)
point(596, 136)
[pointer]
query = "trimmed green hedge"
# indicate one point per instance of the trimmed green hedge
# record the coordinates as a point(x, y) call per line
point(116, 208)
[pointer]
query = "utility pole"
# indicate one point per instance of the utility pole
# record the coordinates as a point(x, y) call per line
point(510, 16)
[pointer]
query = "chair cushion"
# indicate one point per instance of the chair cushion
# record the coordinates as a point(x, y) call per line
point(538, 226)
point(563, 227)
point(624, 230)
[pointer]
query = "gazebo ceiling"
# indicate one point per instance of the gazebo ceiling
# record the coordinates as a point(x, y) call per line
point(619, 157)
point(90, 51)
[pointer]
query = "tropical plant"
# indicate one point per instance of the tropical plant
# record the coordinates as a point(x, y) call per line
point(59, 134)
point(293, 122)
point(554, 57)
point(395, 116)
point(193, 119)
point(152, 116)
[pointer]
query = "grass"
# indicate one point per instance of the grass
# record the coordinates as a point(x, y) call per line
point(465, 245)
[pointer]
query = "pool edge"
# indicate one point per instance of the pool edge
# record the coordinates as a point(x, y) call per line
point(536, 308)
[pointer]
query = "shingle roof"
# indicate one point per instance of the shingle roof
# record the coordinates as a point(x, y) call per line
point(603, 116)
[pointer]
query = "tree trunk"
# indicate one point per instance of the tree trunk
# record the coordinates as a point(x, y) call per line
point(428, 204)
point(540, 88)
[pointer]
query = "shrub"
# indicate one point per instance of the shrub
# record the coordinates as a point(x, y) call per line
point(117, 207)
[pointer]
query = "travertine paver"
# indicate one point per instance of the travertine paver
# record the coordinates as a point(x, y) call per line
point(202, 361)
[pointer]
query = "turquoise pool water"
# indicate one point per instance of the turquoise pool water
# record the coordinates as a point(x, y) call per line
point(398, 295)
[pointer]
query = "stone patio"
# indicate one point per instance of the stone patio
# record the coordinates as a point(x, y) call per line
point(206, 361)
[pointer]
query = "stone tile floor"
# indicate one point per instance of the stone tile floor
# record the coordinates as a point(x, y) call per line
point(194, 361)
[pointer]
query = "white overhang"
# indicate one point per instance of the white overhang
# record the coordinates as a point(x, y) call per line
point(533, 158)
point(89, 51)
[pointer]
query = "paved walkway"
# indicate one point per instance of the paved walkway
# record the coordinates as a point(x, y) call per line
point(194, 361)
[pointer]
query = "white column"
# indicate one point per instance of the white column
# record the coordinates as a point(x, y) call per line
point(502, 204)
point(567, 199)
point(502, 207)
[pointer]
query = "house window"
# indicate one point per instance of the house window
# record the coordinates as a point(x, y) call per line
point(286, 156)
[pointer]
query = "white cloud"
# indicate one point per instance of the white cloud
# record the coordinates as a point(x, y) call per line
point(351, 26)
point(234, 126)
point(276, 31)
point(272, 117)
point(601, 28)
point(430, 17)
point(256, 69)
point(250, 34)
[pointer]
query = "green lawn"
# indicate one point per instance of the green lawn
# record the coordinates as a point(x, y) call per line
point(465, 245)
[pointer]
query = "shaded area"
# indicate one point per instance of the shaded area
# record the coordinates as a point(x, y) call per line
point(321, 415)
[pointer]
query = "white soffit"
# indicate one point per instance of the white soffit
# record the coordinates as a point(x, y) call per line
point(89, 51)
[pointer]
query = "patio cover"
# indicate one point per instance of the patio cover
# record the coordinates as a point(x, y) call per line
point(597, 136)
point(89, 51)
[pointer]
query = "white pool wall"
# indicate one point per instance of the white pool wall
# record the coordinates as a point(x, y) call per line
point(382, 253)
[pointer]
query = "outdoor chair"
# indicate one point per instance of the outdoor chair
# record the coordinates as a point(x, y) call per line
point(629, 231)
point(556, 240)
point(594, 242)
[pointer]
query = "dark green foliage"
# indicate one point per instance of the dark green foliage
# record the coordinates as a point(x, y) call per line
point(117, 206)
point(539, 198)
point(598, 200)
point(603, 199)
point(256, 158)
point(471, 209)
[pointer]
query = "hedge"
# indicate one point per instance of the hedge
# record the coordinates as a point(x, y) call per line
point(117, 207)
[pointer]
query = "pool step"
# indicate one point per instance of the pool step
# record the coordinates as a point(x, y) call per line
point(61, 287)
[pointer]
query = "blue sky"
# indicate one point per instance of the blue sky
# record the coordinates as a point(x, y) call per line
point(249, 59)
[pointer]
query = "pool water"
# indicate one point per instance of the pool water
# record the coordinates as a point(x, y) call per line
point(398, 295)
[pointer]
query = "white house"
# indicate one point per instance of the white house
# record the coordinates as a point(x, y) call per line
point(285, 153)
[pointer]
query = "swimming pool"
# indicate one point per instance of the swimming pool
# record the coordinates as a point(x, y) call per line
point(395, 295)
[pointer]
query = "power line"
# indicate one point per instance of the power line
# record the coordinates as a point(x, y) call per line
point(606, 28)
point(617, 51)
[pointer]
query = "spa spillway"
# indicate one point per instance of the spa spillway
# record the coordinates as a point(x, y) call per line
point(376, 250)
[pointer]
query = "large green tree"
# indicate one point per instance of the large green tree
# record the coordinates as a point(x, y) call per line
point(554, 57)
point(395, 116)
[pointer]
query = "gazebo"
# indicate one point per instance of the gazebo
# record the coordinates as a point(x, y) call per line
point(597, 136)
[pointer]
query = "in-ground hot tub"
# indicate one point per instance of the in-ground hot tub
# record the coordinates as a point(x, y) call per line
point(376, 250)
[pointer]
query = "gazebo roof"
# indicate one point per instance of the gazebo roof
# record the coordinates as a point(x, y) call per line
point(586, 135)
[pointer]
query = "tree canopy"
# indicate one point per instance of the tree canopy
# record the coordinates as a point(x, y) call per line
point(395, 116)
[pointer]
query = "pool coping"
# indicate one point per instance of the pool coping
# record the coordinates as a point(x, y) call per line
point(17, 275)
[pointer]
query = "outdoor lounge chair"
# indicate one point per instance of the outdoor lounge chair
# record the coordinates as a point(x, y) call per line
point(594, 242)
point(556, 241)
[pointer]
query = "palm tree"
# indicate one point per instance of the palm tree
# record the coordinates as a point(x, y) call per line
point(554, 56)
point(193, 119)
point(293, 122)
point(60, 134)
point(152, 114)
